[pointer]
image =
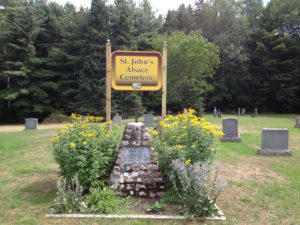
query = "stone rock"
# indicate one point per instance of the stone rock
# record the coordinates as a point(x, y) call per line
point(143, 194)
point(146, 136)
point(158, 180)
point(134, 175)
point(136, 134)
point(129, 180)
point(136, 143)
point(125, 143)
point(139, 180)
point(135, 167)
point(153, 167)
point(156, 174)
point(162, 187)
point(128, 132)
point(152, 194)
point(126, 137)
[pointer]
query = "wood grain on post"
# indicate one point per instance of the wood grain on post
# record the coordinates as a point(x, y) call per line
point(164, 80)
point(108, 81)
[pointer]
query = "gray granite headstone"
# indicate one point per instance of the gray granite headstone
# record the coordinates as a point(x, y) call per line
point(31, 123)
point(239, 112)
point(215, 112)
point(117, 119)
point(297, 125)
point(243, 111)
point(219, 113)
point(255, 112)
point(274, 142)
point(230, 130)
point(148, 118)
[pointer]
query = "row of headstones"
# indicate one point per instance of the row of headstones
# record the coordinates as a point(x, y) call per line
point(218, 113)
point(275, 141)
point(148, 119)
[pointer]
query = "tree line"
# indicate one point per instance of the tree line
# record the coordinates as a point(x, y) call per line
point(224, 53)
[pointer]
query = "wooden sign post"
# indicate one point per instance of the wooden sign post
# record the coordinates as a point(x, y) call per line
point(108, 81)
point(136, 71)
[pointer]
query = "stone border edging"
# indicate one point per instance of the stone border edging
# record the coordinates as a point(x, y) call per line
point(221, 216)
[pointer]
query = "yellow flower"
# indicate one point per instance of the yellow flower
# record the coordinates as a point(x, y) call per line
point(155, 132)
point(84, 142)
point(72, 145)
point(188, 161)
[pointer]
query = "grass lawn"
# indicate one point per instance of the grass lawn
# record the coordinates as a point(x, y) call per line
point(261, 190)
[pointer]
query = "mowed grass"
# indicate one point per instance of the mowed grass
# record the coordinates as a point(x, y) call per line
point(260, 190)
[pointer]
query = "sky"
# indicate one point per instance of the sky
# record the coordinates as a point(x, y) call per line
point(161, 6)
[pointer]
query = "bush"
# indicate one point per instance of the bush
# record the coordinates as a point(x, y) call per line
point(69, 197)
point(86, 149)
point(156, 207)
point(185, 136)
point(198, 187)
point(102, 201)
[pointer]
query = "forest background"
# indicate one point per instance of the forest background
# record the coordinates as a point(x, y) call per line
point(224, 53)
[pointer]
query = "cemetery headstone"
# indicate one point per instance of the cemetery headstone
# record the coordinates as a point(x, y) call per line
point(148, 118)
point(230, 130)
point(297, 125)
point(219, 113)
point(169, 112)
point(117, 119)
point(255, 112)
point(31, 123)
point(243, 111)
point(215, 112)
point(274, 142)
point(239, 112)
point(185, 111)
point(136, 170)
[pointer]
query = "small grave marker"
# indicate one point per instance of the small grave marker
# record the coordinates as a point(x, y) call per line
point(148, 118)
point(230, 130)
point(117, 119)
point(274, 142)
point(239, 112)
point(219, 113)
point(215, 112)
point(297, 125)
point(31, 123)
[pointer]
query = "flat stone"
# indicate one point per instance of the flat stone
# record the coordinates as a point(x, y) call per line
point(146, 136)
point(125, 143)
point(153, 167)
point(129, 180)
point(126, 137)
point(135, 167)
point(134, 175)
point(158, 180)
point(157, 174)
point(143, 194)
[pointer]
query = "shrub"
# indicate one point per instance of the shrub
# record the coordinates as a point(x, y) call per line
point(198, 187)
point(156, 207)
point(86, 149)
point(103, 201)
point(185, 136)
point(69, 197)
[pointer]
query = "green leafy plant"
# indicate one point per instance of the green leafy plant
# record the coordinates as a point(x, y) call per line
point(103, 201)
point(87, 149)
point(156, 207)
point(69, 197)
point(197, 186)
point(187, 136)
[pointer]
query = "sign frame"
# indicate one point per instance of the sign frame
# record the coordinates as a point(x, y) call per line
point(137, 86)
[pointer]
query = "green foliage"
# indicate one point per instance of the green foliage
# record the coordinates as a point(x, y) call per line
point(197, 187)
point(103, 201)
point(187, 136)
point(192, 62)
point(69, 197)
point(156, 207)
point(86, 149)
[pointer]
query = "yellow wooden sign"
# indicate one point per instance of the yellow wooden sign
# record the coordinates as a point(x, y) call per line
point(136, 70)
